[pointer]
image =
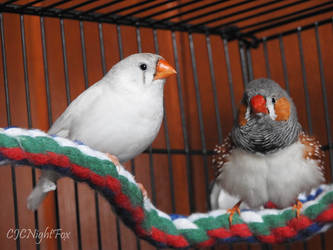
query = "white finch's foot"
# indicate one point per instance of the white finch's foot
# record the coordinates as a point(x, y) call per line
point(143, 190)
point(233, 210)
point(115, 160)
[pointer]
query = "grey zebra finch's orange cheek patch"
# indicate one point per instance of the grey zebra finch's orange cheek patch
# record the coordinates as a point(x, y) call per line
point(282, 109)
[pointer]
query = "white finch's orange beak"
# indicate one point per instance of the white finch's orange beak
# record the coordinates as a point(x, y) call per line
point(163, 69)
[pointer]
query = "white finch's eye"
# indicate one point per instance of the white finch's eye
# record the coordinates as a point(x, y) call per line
point(273, 100)
point(143, 66)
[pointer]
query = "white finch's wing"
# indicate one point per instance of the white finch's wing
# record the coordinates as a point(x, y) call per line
point(62, 126)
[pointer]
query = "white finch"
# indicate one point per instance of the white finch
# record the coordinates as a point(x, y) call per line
point(121, 114)
point(267, 156)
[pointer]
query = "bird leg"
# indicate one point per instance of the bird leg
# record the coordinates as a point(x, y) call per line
point(298, 206)
point(232, 211)
point(114, 160)
point(143, 190)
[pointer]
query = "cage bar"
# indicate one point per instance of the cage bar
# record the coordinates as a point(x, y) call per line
point(101, 45)
point(200, 116)
point(244, 65)
point(85, 73)
point(236, 13)
point(120, 47)
point(167, 138)
point(46, 71)
point(284, 64)
point(124, 9)
point(100, 7)
point(213, 81)
point(324, 93)
point(292, 19)
point(249, 64)
point(76, 6)
point(184, 25)
point(230, 82)
point(167, 10)
point(305, 83)
point(84, 57)
point(184, 129)
point(268, 70)
point(27, 96)
point(53, 5)
point(145, 9)
point(9, 122)
point(258, 14)
point(209, 13)
point(68, 96)
point(49, 113)
point(29, 4)
point(188, 12)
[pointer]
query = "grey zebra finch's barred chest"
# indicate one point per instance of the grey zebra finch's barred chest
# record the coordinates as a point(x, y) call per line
point(265, 135)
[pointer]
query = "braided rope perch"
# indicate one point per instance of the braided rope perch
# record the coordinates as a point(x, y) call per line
point(79, 162)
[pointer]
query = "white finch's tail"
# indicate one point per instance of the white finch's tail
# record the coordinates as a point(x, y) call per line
point(45, 184)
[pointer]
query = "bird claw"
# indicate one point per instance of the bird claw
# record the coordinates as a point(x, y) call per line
point(114, 160)
point(232, 211)
point(298, 206)
point(143, 190)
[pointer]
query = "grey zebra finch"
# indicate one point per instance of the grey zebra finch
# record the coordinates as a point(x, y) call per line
point(267, 156)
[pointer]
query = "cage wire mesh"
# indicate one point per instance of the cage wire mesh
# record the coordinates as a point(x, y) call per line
point(53, 50)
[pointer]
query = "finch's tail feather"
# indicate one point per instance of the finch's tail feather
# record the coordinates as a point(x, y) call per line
point(46, 183)
point(221, 199)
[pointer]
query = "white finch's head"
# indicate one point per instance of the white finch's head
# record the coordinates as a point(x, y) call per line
point(140, 71)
